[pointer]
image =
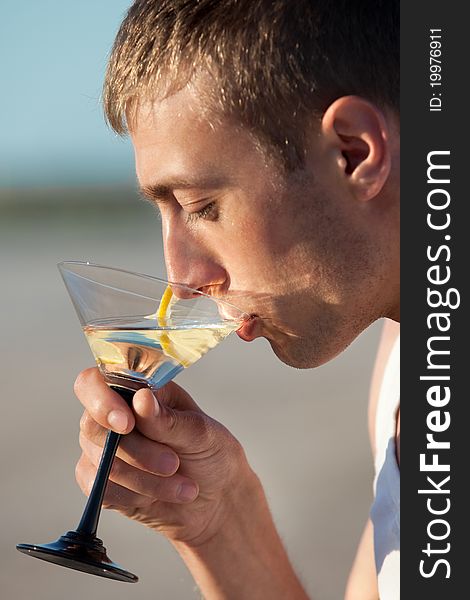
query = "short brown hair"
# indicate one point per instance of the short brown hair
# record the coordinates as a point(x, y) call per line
point(275, 63)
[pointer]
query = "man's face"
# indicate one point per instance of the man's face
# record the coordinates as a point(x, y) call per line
point(288, 248)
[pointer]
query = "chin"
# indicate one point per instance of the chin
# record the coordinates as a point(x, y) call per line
point(302, 353)
point(297, 357)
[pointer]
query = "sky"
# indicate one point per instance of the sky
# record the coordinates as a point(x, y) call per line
point(52, 59)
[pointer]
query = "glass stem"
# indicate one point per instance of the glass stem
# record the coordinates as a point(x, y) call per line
point(89, 522)
point(91, 515)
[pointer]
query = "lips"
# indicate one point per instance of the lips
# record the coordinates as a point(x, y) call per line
point(251, 329)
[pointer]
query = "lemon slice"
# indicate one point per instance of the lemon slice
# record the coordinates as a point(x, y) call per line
point(185, 346)
point(105, 352)
point(163, 314)
point(164, 309)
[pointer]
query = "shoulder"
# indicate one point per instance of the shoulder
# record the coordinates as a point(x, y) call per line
point(390, 332)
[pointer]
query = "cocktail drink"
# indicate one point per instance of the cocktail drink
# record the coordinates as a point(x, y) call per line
point(142, 331)
point(143, 351)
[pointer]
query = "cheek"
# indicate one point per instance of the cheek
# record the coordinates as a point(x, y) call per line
point(251, 258)
point(253, 240)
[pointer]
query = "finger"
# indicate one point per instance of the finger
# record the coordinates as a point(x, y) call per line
point(104, 404)
point(135, 449)
point(183, 430)
point(115, 495)
point(178, 488)
point(175, 396)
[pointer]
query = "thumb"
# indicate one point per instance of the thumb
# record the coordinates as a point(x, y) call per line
point(184, 430)
point(175, 396)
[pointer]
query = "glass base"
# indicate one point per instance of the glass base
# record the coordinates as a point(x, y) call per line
point(81, 552)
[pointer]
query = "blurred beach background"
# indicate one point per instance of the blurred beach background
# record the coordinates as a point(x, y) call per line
point(67, 191)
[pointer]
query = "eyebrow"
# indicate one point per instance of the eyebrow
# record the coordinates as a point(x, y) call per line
point(161, 192)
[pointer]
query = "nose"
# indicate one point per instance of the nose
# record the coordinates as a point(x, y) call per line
point(190, 261)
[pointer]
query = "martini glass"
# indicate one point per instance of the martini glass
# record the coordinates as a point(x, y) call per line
point(141, 335)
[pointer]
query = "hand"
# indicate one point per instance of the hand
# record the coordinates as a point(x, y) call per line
point(177, 470)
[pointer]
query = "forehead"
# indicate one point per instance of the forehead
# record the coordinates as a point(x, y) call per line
point(181, 135)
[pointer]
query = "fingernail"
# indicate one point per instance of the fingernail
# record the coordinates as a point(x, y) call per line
point(167, 463)
point(117, 420)
point(187, 492)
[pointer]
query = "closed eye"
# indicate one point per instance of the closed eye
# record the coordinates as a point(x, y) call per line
point(209, 213)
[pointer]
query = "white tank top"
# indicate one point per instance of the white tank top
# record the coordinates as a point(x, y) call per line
point(385, 511)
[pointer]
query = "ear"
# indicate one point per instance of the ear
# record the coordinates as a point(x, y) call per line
point(357, 133)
